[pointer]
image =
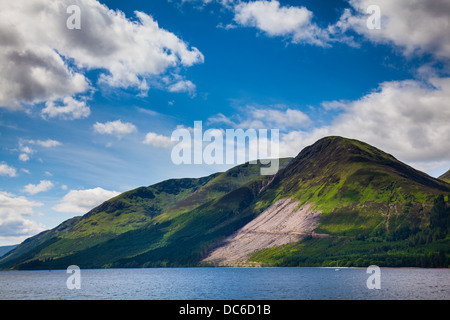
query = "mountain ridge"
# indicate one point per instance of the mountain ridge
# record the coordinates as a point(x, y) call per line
point(360, 191)
point(357, 209)
point(445, 177)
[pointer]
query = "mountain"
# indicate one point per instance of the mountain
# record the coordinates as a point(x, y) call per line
point(138, 221)
point(445, 177)
point(5, 249)
point(360, 192)
point(339, 200)
point(349, 180)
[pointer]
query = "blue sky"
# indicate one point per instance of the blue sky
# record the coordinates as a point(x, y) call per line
point(88, 113)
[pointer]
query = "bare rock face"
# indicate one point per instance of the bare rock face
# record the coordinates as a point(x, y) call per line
point(283, 222)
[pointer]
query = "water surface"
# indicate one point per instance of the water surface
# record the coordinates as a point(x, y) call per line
point(227, 284)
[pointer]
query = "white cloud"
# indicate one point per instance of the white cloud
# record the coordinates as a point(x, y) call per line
point(291, 22)
point(24, 157)
point(43, 61)
point(32, 73)
point(419, 26)
point(334, 105)
point(408, 119)
point(276, 117)
point(26, 151)
point(183, 86)
point(49, 143)
point(116, 128)
point(81, 201)
point(201, 3)
point(158, 140)
point(6, 170)
point(221, 118)
point(14, 227)
point(414, 26)
point(69, 110)
point(44, 185)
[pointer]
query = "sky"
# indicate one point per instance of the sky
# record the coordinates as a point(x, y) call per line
point(91, 91)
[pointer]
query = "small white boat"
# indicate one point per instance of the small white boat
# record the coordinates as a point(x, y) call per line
point(337, 268)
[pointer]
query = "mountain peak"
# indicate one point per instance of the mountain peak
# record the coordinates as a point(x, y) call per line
point(338, 148)
point(334, 162)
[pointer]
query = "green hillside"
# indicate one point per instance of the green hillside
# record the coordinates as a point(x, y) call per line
point(136, 222)
point(358, 188)
point(128, 211)
point(5, 249)
point(427, 247)
point(446, 176)
point(374, 210)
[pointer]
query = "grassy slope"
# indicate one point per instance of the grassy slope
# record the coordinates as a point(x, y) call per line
point(426, 247)
point(330, 252)
point(362, 193)
point(127, 212)
point(368, 199)
point(445, 177)
point(5, 249)
point(358, 188)
point(157, 219)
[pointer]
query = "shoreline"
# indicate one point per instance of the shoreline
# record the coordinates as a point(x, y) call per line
point(222, 267)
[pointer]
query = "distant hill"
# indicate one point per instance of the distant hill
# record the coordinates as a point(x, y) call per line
point(446, 176)
point(5, 249)
point(143, 219)
point(339, 201)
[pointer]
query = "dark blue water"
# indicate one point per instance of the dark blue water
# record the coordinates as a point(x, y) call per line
point(227, 283)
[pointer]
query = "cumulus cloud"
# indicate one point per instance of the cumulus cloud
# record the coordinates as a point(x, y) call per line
point(157, 140)
point(81, 201)
point(408, 119)
point(419, 26)
point(26, 151)
point(294, 23)
point(24, 157)
point(414, 27)
point(6, 170)
point(44, 185)
point(116, 128)
point(32, 73)
point(68, 109)
point(14, 226)
point(183, 86)
point(44, 61)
